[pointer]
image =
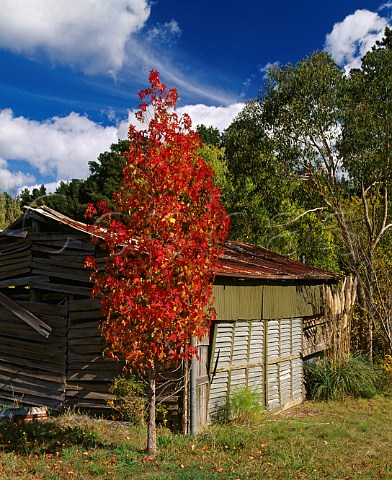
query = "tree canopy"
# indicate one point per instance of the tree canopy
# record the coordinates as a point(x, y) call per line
point(9, 210)
point(333, 132)
point(164, 231)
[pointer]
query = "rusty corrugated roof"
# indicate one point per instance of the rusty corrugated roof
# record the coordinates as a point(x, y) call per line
point(242, 260)
point(238, 260)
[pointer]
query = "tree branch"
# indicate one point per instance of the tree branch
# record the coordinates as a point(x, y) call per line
point(299, 216)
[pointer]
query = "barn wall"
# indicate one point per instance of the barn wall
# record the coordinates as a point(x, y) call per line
point(32, 367)
point(237, 361)
point(233, 302)
point(284, 372)
point(257, 342)
point(285, 301)
point(89, 374)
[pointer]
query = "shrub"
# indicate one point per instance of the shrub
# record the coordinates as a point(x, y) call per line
point(353, 377)
point(129, 401)
point(244, 405)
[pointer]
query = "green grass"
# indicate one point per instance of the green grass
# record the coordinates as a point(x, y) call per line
point(334, 440)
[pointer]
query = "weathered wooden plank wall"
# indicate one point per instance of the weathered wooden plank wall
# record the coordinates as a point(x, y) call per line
point(256, 340)
point(32, 369)
point(89, 374)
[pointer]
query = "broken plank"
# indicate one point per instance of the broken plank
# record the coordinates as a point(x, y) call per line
point(61, 272)
point(84, 305)
point(20, 270)
point(30, 365)
point(34, 322)
point(50, 309)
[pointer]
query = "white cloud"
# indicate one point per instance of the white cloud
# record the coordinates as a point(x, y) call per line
point(354, 36)
point(167, 33)
point(10, 181)
point(50, 186)
point(266, 68)
point(99, 36)
point(87, 34)
point(60, 146)
point(218, 117)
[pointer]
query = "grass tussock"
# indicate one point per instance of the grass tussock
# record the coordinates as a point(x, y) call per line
point(353, 377)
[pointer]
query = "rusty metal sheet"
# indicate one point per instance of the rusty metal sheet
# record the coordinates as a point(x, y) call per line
point(243, 260)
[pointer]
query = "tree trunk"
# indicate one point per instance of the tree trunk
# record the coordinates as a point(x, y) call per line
point(366, 312)
point(184, 416)
point(151, 431)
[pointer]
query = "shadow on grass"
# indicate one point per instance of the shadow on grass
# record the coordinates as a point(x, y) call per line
point(46, 437)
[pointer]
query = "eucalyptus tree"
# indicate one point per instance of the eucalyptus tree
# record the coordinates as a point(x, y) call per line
point(332, 132)
point(367, 151)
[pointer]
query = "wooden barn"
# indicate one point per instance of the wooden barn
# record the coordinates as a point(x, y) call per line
point(269, 314)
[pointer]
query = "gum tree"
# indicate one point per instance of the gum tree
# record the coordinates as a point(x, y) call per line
point(334, 134)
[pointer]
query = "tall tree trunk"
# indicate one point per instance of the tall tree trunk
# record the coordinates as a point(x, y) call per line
point(151, 432)
point(366, 312)
point(370, 310)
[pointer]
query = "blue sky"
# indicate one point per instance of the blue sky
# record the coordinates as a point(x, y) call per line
point(71, 69)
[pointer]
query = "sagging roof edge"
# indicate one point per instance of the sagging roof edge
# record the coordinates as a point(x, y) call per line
point(238, 260)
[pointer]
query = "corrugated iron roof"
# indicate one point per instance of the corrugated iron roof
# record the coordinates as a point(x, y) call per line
point(238, 260)
point(242, 260)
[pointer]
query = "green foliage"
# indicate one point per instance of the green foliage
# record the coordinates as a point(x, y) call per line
point(106, 174)
point(209, 135)
point(301, 110)
point(354, 377)
point(129, 402)
point(9, 210)
point(253, 173)
point(245, 405)
point(368, 118)
point(386, 365)
point(214, 156)
point(268, 199)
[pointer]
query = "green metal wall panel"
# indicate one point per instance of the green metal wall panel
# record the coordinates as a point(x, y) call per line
point(238, 302)
point(291, 301)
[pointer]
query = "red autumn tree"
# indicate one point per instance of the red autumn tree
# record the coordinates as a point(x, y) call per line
point(163, 241)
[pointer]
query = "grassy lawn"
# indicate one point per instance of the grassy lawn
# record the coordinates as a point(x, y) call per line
point(332, 440)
